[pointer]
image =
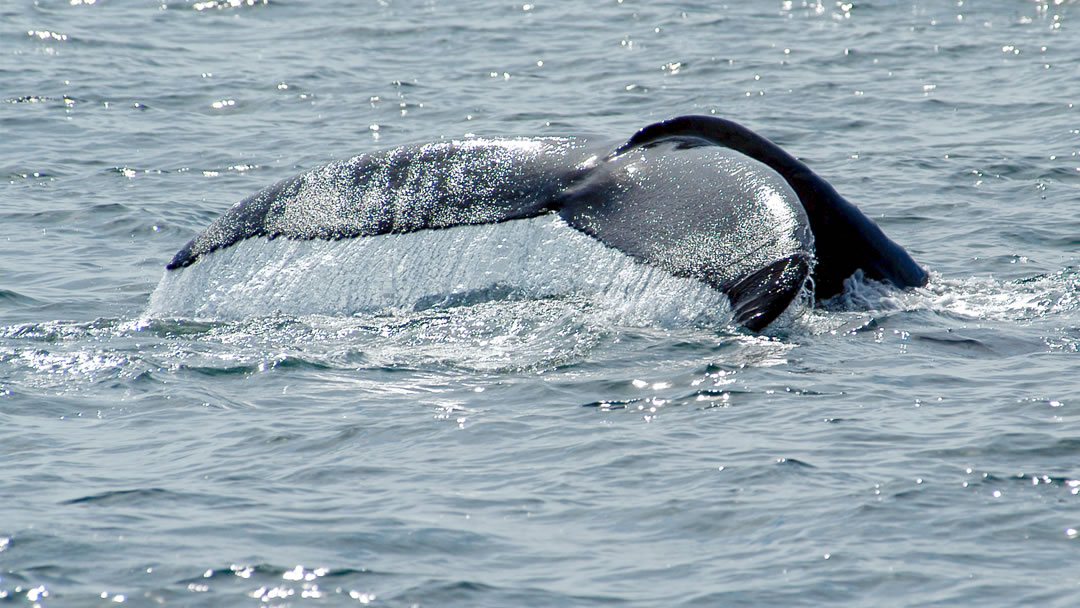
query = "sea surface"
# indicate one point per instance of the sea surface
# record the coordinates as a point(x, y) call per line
point(917, 448)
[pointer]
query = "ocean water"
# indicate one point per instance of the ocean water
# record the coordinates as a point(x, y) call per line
point(891, 449)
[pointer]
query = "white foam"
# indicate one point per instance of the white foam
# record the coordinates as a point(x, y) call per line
point(534, 258)
point(991, 299)
point(976, 298)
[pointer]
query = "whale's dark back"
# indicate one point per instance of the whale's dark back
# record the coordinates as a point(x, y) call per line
point(705, 212)
point(845, 239)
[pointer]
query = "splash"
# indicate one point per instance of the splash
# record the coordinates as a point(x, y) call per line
point(1044, 296)
point(466, 265)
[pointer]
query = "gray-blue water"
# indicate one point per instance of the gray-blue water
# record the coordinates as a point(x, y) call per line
point(918, 448)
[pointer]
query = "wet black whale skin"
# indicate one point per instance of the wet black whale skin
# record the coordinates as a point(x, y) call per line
point(698, 196)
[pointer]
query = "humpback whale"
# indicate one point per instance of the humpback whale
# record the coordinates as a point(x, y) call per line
point(697, 197)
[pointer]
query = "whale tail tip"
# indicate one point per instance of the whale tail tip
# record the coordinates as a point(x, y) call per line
point(759, 298)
